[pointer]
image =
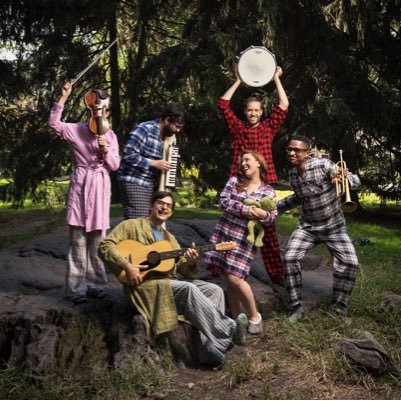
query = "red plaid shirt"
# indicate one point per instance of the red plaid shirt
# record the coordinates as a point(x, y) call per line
point(259, 138)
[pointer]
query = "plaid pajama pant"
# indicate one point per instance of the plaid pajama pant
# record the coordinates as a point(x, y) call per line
point(135, 200)
point(271, 256)
point(345, 264)
point(84, 267)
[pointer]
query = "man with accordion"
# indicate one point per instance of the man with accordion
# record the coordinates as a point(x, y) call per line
point(143, 160)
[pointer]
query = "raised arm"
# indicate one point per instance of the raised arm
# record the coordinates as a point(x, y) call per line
point(65, 93)
point(282, 96)
point(231, 90)
point(55, 124)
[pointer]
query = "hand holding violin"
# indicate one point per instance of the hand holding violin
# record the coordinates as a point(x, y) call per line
point(97, 104)
point(101, 140)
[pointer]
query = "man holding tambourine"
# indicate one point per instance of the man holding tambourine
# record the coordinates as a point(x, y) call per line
point(256, 67)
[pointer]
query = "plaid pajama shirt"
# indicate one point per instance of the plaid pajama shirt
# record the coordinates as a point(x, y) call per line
point(259, 139)
point(137, 179)
point(322, 220)
point(233, 226)
point(144, 144)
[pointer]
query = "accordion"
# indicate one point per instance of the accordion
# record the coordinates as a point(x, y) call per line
point(171, 154)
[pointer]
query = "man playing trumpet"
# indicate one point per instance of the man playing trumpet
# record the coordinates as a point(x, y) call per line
point(314, 183)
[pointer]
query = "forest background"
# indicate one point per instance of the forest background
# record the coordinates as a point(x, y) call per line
point(342, 74)
point(341, 63)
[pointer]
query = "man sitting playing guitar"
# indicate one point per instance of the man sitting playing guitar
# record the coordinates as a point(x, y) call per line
point(159, 297)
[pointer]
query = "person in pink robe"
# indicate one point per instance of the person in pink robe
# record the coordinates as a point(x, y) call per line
point(88, 203)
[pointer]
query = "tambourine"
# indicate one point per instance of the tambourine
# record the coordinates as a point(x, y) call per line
point(256, 66)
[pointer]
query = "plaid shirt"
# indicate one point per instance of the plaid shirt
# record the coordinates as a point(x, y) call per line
point(233, 226)
point(315, 192)
point(144, 144)
point(259, 138)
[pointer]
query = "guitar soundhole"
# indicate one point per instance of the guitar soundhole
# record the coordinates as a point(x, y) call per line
point(153, 258)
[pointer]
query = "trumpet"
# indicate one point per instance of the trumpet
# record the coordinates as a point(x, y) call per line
point(342, 185)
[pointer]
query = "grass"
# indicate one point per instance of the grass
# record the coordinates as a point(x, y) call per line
point(305, 361)
point(300, 361)
point(21, 225)
point(136, 381)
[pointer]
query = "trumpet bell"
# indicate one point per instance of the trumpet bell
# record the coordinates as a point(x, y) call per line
point(349, 207)
point(342, 186)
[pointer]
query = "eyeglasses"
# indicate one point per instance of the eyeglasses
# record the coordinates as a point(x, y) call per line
point(165, 204)
point(296, 150)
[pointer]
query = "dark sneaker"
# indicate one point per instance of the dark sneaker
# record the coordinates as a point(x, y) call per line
point(209, 355)
point(256, 328)
point(241, 324)
point(79, 299)
point(296, 315)
point(97, 292)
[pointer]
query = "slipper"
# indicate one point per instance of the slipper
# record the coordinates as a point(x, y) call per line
point(256, 328)
point(240, 329)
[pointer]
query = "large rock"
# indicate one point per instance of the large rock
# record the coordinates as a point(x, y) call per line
point(43, 332)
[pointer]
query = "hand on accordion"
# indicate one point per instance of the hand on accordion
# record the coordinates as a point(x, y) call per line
point(161, 165)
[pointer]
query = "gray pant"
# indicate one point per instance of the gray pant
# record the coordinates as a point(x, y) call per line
point(203, 304)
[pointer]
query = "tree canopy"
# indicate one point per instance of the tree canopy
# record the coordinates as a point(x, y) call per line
point(341, 63)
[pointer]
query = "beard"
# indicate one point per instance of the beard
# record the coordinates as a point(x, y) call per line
point(167, 131)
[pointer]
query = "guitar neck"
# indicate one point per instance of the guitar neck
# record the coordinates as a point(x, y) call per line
point(179, 252)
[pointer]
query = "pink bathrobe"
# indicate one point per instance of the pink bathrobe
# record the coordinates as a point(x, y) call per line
point(89, 194)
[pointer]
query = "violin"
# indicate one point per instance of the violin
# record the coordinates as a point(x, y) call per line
point(97, 104)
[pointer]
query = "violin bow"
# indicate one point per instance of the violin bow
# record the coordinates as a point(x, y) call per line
point(93, 62)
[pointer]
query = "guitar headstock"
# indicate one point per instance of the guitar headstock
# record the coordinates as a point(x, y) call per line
point(226, 246)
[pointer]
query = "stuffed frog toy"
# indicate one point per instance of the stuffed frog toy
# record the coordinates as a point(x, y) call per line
point(255, 228)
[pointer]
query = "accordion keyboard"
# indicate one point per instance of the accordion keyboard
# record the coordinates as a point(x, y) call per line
point(171, 175)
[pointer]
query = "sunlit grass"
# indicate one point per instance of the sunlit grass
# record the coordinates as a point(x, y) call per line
point(285, 222)
point(372, 202)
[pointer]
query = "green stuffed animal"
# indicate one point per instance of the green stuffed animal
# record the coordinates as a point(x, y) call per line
point(255, 228)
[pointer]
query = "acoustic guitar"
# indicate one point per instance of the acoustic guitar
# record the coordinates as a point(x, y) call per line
point(159, 256)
